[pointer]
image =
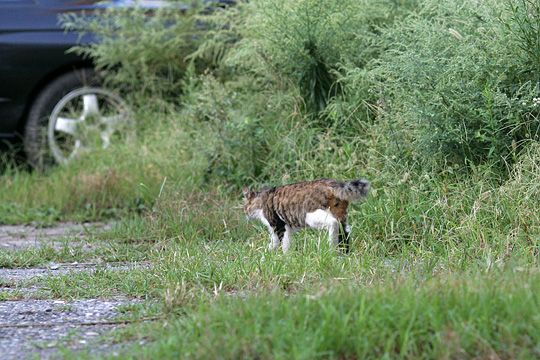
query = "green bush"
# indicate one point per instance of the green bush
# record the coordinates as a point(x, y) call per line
point(454, 87)
point(524, 24)
point(419, 82)
point(265, 99)
point(304, 43)
point(139, 54)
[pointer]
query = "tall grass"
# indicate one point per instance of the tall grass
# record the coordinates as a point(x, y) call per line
point(524, 24)
point(107, 183)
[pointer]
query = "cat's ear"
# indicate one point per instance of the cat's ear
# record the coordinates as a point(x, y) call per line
point(247, 193)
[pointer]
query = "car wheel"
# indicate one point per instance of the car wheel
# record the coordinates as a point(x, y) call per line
point(71, 116)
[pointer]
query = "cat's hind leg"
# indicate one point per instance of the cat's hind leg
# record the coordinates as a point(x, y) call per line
point(323, 219)
point(344, 237)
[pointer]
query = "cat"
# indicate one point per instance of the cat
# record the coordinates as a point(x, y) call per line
point(319, 204)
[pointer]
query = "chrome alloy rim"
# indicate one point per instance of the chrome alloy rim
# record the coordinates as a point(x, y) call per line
point(86, 119)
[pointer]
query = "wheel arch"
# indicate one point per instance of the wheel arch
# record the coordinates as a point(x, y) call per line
point(42, 83)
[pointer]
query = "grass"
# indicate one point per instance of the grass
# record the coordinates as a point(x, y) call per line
point(490, 316)
point(438, 269)
point(99, 283)
point(483, 316)
point(73, 251)
point(453, 287)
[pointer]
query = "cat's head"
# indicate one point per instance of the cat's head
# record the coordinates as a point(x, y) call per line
point(252, 203)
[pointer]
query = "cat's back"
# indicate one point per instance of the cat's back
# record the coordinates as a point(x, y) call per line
point(305, 188)
point(291, 202)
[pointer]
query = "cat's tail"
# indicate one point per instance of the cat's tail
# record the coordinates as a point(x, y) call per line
point(353, 190)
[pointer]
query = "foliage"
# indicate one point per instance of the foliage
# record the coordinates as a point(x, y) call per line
point(454, 87)
point(141, 53)
point(304, 43)
point(524, 24)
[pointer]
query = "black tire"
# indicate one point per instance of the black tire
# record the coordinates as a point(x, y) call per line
point(35, 133)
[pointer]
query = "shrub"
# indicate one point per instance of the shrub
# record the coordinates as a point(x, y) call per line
point(304, 43)
point(141, 54)
point(452, 81)
point(524, 24)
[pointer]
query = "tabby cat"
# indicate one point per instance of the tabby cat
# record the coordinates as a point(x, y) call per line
point(319, 204)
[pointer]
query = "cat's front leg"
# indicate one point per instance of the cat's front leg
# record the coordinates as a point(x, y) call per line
point(286, 243)
point(333, 233)
point(276, 236)
point(274, 241)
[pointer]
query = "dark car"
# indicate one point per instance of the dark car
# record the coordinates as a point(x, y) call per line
point(49, 97)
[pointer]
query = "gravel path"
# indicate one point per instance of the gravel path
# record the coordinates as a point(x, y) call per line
point(13, 237)
point(31, 328)
point(18, 275)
